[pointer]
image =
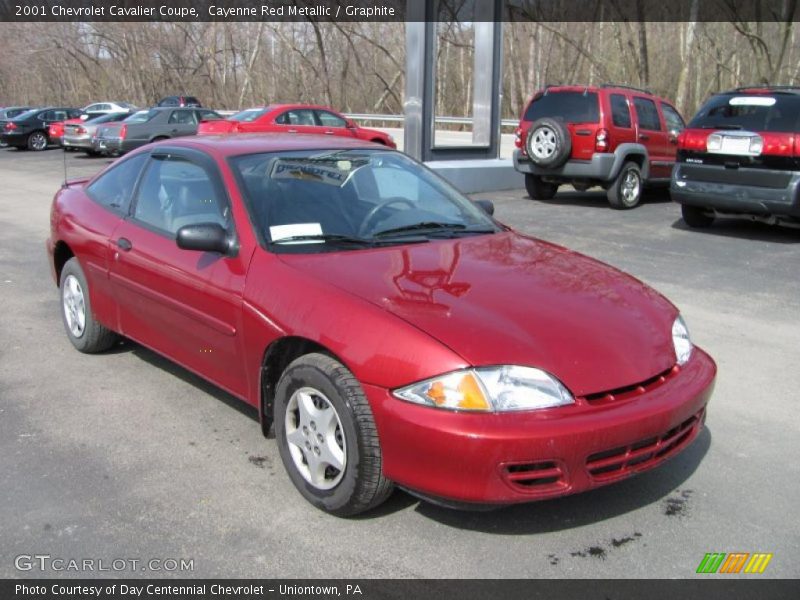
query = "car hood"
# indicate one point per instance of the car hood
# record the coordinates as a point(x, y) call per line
point(509, 299)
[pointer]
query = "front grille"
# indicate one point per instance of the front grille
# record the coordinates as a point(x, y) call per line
point(631, 391)
point(536, 477)
point(625, 460)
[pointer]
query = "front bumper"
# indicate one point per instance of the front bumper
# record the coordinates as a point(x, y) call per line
point(742, 190)
point(600, 167)
point(520, 457)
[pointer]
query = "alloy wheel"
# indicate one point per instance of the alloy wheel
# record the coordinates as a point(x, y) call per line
point(74, 306)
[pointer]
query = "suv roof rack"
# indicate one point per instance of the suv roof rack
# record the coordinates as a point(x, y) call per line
point(777, 88)
point(627, 87)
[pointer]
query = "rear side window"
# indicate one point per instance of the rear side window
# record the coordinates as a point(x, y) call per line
point(572, 107)
point(297, 117)
point(182, 117)
point(620, 112)
point(647, 114)
point(777, 113)
point(113, 188)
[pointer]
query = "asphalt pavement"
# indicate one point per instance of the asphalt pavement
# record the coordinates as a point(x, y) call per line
point(125, 456)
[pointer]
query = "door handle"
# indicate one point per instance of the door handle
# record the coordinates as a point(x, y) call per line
point(124, 244)
point(292, 130)
point(329, 132)
point(644, 137)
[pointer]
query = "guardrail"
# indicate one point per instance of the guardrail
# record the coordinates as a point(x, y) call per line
point(400, 119)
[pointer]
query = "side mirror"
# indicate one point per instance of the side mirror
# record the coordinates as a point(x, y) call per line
point(206, 237)
point(486, 206)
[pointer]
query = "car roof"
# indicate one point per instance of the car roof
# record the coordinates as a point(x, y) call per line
point(254, 143)
point(600, 88)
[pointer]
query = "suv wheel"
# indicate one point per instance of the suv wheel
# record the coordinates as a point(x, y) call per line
point(696, 217)
point(626, 191)
point(548, 144)
point(539, 189)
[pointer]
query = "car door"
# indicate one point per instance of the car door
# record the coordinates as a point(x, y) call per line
point(184, 304)
point(182, 121)
point(109, 199)
point(298, 120)
point(650, 132)
point(333, 124)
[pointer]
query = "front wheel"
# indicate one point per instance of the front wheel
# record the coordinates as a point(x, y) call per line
point(696, 217)
point(539, 189)
point(327, 437)
point(37, 141)
point(85, 333)
point(626, 191)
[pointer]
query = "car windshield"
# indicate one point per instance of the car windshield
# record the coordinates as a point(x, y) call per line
point(250, 114)
point(754, 112)
point(572, 107)
point(142, 116)
point(317, 201)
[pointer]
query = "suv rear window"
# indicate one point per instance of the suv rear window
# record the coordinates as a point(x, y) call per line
point(572, 107)
point(778, 112)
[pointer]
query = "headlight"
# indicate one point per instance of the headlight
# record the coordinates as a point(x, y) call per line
point(490, 389)
point(681, 341)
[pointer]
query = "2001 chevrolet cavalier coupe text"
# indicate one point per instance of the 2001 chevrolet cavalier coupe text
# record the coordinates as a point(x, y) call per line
point(391, 329)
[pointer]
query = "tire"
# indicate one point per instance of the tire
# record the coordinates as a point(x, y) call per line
point(696, 217)
point(37, 141)
point(626, 191)
point(539, 189)
point(92, 153)
point(76, 308)
point(548, 143)
point(350, 439)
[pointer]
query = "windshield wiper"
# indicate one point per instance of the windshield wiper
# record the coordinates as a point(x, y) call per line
point(431, 227)
point(336, 238)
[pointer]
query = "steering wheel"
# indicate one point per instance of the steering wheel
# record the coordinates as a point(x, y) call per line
point(366, 223)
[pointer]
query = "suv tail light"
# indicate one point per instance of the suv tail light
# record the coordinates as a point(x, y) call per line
point(123, 131)
point(518, 137)
point(601, 141)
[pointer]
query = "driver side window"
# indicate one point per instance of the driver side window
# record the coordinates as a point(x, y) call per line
point(176, 192)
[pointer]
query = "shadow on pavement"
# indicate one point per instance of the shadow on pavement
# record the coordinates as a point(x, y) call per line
point(746, 230)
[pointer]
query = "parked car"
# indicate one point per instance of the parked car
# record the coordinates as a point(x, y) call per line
point(381, 320)
point(740, 156)
point(28, 131)
point(78, 134)
point(295, 118)
point(175, 101)
point(616, 137)
point(8, 113)
point(147, 126)
point(104, 108)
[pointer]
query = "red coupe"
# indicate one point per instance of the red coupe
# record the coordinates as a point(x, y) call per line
point(391, 329)
point(295, 118)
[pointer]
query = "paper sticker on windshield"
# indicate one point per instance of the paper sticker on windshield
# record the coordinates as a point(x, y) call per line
point(752, 101)
point(330, 172)
point(280, 232)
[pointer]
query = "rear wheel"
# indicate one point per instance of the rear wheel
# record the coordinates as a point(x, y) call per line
point(626, 191)
point(696, 217)
point(327, 438)
point(85, 333)
point(539, 189)
point(37, 140)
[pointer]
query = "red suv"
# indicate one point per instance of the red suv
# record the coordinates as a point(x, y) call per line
point(740, 155)
point(612, 136)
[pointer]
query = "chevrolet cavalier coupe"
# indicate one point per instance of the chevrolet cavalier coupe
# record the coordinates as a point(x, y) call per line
point(391, 329)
